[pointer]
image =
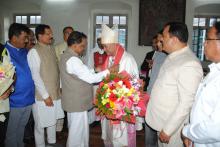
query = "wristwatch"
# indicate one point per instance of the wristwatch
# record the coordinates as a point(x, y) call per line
point(12, 89)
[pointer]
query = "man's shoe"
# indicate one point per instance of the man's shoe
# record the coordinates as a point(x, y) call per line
point(29, 140)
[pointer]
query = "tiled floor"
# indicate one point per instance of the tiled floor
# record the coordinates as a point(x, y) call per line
point(95, 138)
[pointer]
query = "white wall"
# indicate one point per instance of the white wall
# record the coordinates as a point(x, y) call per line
point(7, 12)
point(79, 14)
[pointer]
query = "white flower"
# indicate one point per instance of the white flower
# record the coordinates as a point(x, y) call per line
point(2, 118)
point(120, 83)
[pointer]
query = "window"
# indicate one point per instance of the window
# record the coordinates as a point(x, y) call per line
point(200, 26)
point(31, 20)
point(110, 20)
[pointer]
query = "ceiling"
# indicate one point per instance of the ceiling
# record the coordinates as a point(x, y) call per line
point(36, 4)
point(20, 3)
point(205, 2)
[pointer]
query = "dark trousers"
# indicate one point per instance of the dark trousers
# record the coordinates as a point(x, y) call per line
point(29, 128)
point(3, 129)
point(151, 139)
point(65, 125)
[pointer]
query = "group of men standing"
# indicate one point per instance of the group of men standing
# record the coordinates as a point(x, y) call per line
point(180, 86)
point(176, 86)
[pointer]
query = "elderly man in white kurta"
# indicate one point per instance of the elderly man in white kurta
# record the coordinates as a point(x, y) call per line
point(116, 134)
point(45, 72)
point(204, 127)
point(174, 90)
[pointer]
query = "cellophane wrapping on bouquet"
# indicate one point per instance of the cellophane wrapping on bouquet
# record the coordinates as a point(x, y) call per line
point(119, 97)
point(7, 71)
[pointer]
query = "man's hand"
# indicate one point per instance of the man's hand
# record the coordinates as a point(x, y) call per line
point(187, 142)
point(48, 102)
point(150, 63)
point(98, 69)
point(6, 94)
point(164, 138)
point(114, 68)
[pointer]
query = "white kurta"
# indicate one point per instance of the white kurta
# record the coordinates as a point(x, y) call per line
point(117, 133)
point(76, 67)
point(47, 116)
point(204, 127)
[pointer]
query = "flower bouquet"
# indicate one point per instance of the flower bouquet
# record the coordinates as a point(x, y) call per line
point(119, 98)
point(7, 71)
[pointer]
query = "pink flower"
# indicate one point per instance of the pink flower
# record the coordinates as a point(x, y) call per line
point(129, 103)
point(101, 84)
point(107, 105)
point(120, 113)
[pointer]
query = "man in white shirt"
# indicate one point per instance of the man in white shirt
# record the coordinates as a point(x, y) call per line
point(77, 92)
point(173, 92)
point(204, 127)
point(45, 72)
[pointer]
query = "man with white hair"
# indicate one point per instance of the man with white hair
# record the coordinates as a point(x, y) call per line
point(117, 134)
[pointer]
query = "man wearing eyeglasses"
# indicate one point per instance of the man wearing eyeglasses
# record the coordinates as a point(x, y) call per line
point(204, 127)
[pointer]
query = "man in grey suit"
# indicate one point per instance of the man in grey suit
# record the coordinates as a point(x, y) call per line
point(158, 59)
point(174, 90)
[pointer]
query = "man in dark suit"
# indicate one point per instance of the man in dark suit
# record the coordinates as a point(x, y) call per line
point(148, 62)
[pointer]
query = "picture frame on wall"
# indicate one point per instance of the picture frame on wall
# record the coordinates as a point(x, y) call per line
point(154, 14)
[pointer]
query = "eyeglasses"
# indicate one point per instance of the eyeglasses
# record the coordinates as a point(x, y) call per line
point(67, 33)
point(211, 39)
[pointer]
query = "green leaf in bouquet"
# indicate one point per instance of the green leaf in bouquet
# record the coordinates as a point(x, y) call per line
point(128, 111)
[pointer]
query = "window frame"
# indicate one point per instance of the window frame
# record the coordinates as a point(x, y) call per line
point(28, 24)
point(199, 28)
point(120, 26)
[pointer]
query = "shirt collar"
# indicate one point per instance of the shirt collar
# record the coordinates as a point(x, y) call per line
point(42, 44)
point(9, 44)
point(73, 52)
point(100, 51)
point(214, 67)
point(178, 52)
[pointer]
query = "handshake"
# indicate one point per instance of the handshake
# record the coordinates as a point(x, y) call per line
point(112, 69)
